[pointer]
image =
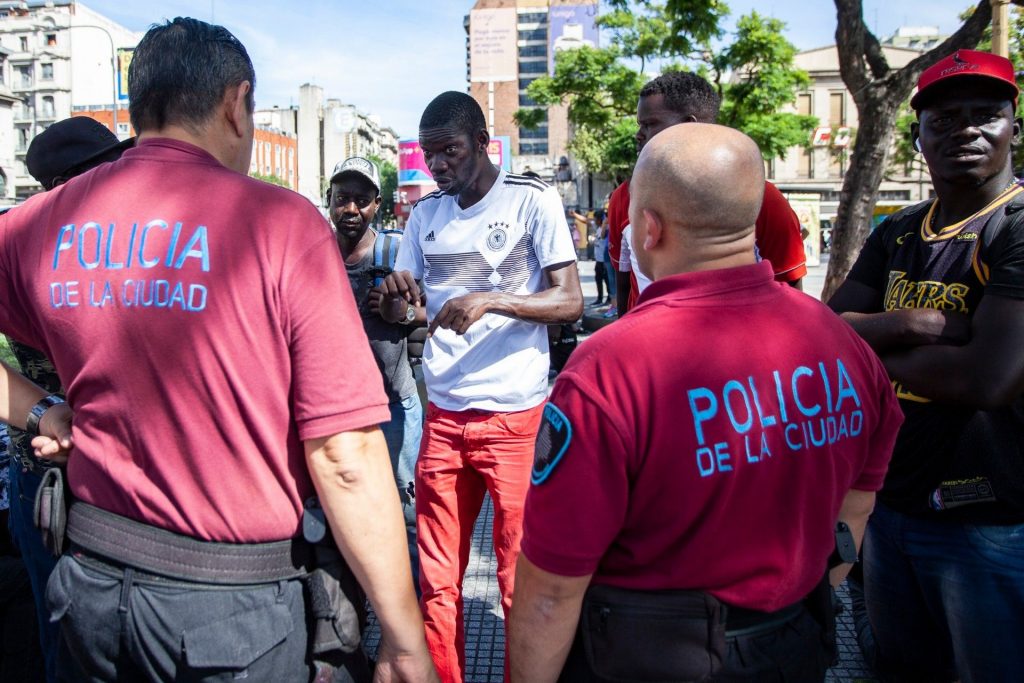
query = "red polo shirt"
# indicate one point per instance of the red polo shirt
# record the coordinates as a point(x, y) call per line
point(776, 232)
point(203, 325)
point(713, 434)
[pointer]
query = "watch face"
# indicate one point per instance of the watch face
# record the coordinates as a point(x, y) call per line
point(410, 314)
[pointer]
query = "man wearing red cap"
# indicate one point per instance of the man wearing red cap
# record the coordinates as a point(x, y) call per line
point(938, 292)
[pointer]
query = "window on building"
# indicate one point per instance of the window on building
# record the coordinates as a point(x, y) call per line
point(533, 18)
point(805, 163)
point(524, 83)
point(23, 138)
point(24, 43)
point(47, 110)
point(837, 109)
point(893, 195)
point(51, 40)
point(525, 101)
point(540, 148)
point(23, 77)
point(836, 163)
point(3, 70)
point(535, 67)
point(534, 34)
point(540, 132)
point(533, 51)
point(46, 72)
point(803, 104)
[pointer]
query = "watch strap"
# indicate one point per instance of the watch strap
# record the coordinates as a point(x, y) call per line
point(36, 413)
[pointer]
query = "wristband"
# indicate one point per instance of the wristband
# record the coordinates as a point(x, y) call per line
point(36, 414)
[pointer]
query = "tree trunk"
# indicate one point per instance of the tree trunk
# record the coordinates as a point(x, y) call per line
point(860, 186)
point(878, 91)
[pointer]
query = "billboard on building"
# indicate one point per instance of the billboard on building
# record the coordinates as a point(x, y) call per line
point(412, 168)
point(124, 60)
point(571, 26)
point(500, 152)
point(493, 55)
point(808, 210)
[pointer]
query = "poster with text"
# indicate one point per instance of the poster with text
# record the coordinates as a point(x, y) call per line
point(412, 168)
point(569, 27)
point(493, 56)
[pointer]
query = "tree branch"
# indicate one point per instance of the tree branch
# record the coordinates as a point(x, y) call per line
point(967, 36)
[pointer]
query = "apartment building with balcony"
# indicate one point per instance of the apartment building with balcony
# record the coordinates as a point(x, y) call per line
point(57, 55)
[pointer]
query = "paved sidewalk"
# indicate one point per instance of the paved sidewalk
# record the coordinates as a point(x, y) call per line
point(485, 633)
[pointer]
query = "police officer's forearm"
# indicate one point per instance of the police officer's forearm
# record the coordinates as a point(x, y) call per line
point(542, 624)
point(352, 475)
point(855, 511)
point(17, 396)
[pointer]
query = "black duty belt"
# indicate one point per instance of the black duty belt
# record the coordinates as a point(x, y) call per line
point(166, 553)
point(742, 622)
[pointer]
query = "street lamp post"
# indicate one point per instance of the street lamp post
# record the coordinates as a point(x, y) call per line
point(113, 64)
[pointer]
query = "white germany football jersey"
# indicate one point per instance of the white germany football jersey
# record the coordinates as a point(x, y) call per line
point(500, 244)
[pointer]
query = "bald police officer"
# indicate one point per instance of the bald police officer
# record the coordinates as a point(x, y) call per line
point(660, 542)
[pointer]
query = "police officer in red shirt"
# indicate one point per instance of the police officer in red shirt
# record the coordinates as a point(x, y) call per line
point(671, 535)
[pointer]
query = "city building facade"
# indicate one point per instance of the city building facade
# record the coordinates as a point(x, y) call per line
point(511, 43)
point(59, 55)
point(328, 131)
point(817, 172)
point(274, 151)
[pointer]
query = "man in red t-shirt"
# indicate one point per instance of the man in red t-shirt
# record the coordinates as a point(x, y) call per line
point(682, 97)
point(746, 420)
point(182, 305)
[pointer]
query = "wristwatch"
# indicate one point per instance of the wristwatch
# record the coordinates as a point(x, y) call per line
point(36, 413)
point(410, 315)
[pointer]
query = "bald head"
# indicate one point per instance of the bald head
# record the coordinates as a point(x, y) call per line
point(702, 178)
point(695, 195)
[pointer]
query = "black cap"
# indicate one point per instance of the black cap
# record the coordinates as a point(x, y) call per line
point(68, 144)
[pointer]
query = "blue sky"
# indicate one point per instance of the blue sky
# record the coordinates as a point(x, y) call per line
point(390, 57)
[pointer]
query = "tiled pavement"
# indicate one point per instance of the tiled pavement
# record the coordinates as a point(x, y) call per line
point(485, 634)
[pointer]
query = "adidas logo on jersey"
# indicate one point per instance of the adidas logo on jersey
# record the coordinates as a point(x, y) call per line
point(429, 237)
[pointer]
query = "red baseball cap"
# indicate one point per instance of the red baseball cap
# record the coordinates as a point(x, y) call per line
point(998, 70)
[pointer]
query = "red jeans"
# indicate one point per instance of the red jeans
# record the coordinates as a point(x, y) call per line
point(464, 455)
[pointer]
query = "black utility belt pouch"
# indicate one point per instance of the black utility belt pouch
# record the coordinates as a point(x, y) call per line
point(337, 604)
point(648, 636)
point(50, 510)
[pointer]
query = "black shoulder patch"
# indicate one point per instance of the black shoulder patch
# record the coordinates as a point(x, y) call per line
point(553, 439)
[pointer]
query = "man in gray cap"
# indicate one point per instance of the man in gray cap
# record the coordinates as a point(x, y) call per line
point(353, 200)
point(66, 149)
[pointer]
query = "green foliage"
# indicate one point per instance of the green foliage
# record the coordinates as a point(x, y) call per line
point(388, 186)
point(601, 87)
point(272, 179)
point(763, 59)
point(1016, 49)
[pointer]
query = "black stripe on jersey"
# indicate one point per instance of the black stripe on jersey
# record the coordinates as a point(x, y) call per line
point(470, 270)
point(436, 194)
point(520, 176)
point(540, 187)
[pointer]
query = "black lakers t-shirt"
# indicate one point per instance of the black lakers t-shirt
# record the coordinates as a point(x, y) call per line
point(956, 461)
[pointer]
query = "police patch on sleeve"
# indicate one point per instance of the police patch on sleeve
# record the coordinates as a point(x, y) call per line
point(553, 439)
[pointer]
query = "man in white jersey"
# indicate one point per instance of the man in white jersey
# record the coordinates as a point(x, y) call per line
point(497, 264)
